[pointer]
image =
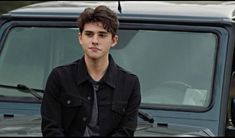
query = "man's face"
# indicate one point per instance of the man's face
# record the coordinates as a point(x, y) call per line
point(96, 41)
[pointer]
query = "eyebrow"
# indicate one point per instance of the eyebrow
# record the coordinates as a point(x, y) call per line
point(103, 32)
point(100, 32)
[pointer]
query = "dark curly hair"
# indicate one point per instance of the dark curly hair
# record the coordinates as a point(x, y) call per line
point(101, 14)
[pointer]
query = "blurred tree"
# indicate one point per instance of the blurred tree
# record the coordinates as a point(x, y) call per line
point(6, 6)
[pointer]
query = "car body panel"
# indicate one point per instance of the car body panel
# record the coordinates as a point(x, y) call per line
point(159, 16)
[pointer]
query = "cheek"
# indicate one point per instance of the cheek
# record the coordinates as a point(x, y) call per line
point(107, 47)
point(83, 45)
point(83, 42)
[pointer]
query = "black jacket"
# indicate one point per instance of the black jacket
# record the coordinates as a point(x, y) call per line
point(67, 101)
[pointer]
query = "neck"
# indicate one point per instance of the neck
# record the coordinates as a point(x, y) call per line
point(96, 67)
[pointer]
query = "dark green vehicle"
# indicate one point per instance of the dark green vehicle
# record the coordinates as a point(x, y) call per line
point(182, 53)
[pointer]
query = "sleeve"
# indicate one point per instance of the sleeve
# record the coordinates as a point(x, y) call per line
point(51, 108)
point(128, 124)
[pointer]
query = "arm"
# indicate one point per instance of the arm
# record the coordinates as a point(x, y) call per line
point(51, 109)
point(128, 124)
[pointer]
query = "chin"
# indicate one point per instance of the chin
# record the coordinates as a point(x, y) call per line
point(94, 56)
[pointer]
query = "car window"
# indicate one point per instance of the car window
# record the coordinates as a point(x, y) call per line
point(30, 53)
point(174, 67)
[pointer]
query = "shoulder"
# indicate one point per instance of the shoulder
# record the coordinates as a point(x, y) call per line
point(65, 69)
point(121, 72)
point(128, 80)
point(127, 74)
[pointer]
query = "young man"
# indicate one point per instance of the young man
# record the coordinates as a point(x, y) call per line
point(92, 96)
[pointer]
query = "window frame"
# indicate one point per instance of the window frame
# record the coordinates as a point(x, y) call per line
point(218, 31)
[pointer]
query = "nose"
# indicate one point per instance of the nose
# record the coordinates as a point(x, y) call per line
point(95, 40)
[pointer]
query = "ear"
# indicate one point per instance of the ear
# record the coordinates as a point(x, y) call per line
point(80, 37)
point(114, 40)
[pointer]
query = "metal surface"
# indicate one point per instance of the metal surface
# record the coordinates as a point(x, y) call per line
point(132, 8)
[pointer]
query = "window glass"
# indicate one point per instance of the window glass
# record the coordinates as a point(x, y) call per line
point(174, 68)
point(30, 53)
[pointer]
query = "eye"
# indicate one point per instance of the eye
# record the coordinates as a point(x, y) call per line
point(103, 35)
point(89, 34)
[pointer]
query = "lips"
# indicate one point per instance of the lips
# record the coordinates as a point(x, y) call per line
point(94, 48)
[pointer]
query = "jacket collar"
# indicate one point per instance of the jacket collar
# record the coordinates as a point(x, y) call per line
point(108, 78)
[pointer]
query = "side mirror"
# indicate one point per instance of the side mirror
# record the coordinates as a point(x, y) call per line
point(230, 130)
point(233, 110)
